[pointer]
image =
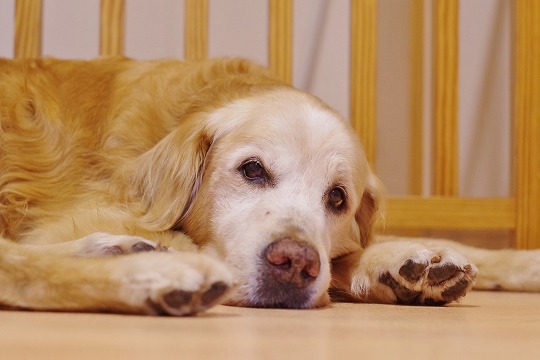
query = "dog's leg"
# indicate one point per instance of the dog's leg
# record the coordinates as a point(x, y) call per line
point(106, 244)
point(100, 244)
point(406, 273)
point(177, 283)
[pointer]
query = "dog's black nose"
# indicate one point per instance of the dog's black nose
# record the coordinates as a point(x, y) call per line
point(292, 262)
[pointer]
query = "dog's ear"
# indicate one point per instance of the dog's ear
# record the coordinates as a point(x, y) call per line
point(165, 179)
point(370, 212)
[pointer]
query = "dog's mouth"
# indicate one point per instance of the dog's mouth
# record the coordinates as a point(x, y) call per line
point(270, 294)
point(265, 295)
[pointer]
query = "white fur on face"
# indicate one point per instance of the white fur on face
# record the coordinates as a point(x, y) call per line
point(306, 151)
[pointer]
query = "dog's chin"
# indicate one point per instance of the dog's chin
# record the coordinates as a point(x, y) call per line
point(283, 298)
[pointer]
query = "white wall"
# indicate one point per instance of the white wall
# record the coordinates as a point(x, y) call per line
point(154, 29)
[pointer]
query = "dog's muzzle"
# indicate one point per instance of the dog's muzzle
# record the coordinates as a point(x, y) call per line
point(288, 268)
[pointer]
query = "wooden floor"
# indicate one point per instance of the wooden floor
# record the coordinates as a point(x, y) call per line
point(484, 326)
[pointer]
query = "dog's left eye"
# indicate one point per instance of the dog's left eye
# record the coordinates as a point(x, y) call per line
point(336, 198)
point(253, 171)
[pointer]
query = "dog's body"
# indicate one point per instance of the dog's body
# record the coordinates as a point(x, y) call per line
point(216, 181)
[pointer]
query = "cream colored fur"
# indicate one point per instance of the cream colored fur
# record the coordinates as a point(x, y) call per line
point(107, 157)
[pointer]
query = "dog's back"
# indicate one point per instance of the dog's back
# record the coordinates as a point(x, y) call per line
point(48, 115)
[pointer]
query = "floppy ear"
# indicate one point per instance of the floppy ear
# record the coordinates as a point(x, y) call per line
point(368, 214)
point(370, 211)
point(166, 177)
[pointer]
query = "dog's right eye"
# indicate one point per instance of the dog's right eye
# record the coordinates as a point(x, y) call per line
point(253, 171)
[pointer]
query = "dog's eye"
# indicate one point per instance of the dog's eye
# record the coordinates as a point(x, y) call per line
point(336, 198)
point(253, 171)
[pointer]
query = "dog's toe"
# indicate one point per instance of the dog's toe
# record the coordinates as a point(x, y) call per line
point(456, 291)
point(178, 298)
point(173, 302)
point(439, 274)
point(212, 295)
point(403, 294)
point(179, 302)
point(412, 271)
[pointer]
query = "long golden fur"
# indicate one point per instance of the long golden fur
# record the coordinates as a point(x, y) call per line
point(215, 182)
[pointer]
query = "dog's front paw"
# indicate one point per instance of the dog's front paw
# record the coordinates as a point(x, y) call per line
point(435, 283)
point(412, 274)
point(104, 244)
point(172, 283)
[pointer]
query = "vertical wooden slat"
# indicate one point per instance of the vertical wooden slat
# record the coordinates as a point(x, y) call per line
point(280, 39)
point(112, 28)
point(196, 30)
point(445, 102)
point(416, 137)
point(527, 123)
point(363, 67)
point(28, 28)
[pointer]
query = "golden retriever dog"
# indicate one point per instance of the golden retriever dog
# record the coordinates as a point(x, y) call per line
point(166, 187)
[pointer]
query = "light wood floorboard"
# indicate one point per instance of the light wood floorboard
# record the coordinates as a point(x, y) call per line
point(485, 325)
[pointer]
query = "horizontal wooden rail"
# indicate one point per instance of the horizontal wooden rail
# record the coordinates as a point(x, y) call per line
point(450, 213)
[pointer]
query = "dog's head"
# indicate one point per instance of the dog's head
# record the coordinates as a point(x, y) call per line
point(275, 183)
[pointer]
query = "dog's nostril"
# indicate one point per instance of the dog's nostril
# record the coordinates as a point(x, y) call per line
point(278, 257)
point(294, 262)
point(285, 266)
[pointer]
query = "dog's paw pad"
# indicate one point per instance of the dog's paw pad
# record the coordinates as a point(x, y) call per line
point(438, 281)
point(112, 251)
point(439, 274)
point(433, 302)
point(161, 307)
point(142, 246)
point(216, 291)
point(123, 246)
point(178, 298)
point(456, 291)
point(403, 294)
point(180, 302)
point(412, 271)
point(102, 244)
point(172, 302)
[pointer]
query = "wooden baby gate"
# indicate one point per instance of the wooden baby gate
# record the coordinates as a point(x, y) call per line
point(445, 209)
